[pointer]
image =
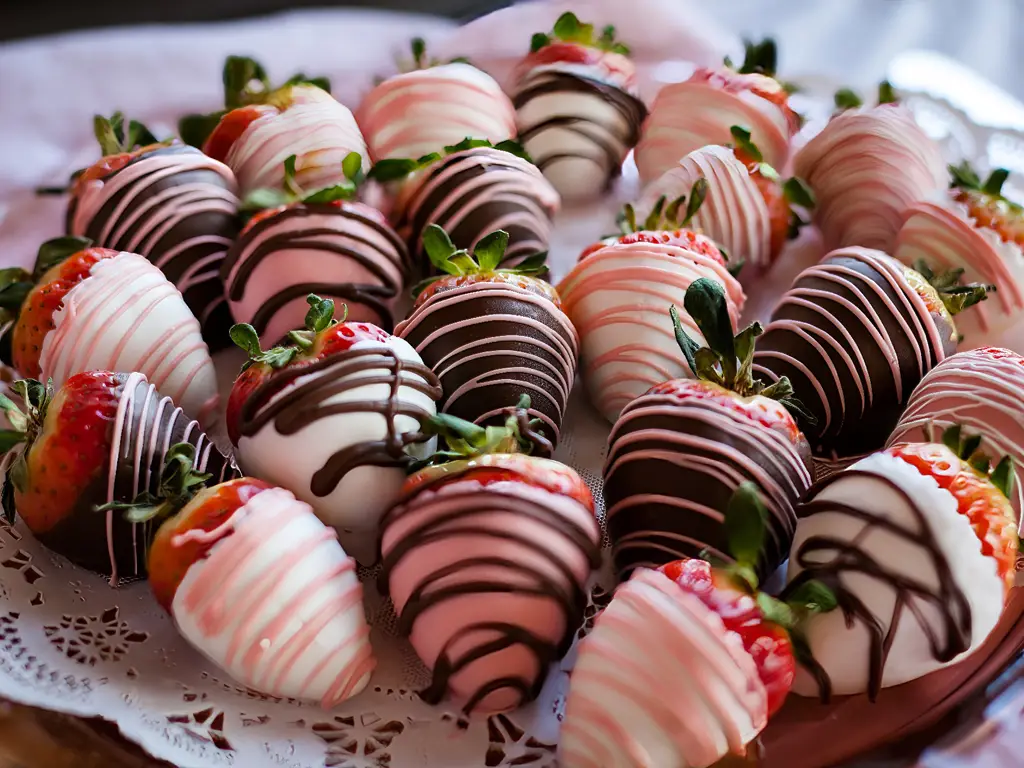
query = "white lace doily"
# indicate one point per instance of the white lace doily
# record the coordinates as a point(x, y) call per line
point(68, 642)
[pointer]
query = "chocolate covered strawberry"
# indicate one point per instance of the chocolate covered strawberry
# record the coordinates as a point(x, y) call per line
point(688, 662)
point(330, 415)
point(918, 543)
point(323, 240)
point(166, 201)
point(490, 333)
point(262, 125)
point(577, 109)
point(680, 451)
point(84, 309)
point(973, 228)
point(100, 438)
point(616, 296)
point(261, 587)
point(701, 111)
point(486, 556)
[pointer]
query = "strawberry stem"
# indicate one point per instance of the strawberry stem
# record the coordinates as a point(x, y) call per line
point(26, 425)
point(319, 318)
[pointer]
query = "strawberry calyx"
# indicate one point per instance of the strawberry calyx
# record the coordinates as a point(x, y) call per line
point(953, 296)
point(319, 318)
point(481, 263)
point(245, 83)
point(292, 192)
point(664, 216)
point(465, 440)
point(26, 425)
point(418, 46)
point(16, 283)
point(569, 29)
point(728, 359)
point(847, 98)
point(396, 169)
point(966, 179)
point(179, 482)
point(966, 447)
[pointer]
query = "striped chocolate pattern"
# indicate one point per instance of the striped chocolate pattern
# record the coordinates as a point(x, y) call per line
point(673, 465)
point(473, 193)
point(855, 338)
point(347, 253)
point(176, 206)
point(490, 343)
point(146, 426)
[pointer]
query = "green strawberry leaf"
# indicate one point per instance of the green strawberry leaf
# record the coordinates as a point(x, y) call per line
point(7, 501)
point(797, 192)
point(688, 345)
point(994, 183)
point(698, 193)
point(812, 596)
point(1004, 475)
point(746, 521)
point(332, 194)
point(262, 199)
point(392, 170)
point(964, 176)
point(439, 248)
point(887, 94)
point(243, 77)
point(705, 303)
point(57, 251)
point(534, 264)
point(419, 52)
point(847, 98)
point(9, 438)
point(743, 140)
point(491, 250)
point(320, 316)
point(195, 129)
point(352, 167)
point(760, 58)
point(775, 611)
point(244, 335)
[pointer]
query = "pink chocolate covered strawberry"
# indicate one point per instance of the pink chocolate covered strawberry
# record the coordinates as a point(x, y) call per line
point(687, 663)
point(486, 557)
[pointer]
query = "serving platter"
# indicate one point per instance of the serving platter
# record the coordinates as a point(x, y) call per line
point(71, 644)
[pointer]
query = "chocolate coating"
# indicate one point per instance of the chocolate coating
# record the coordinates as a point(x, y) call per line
point(605, 142)
point(672, 466)
point(473, 193)
point(490, 343)
point(362, 263)
point(146, 427)
point(854, 337)
point(176, 207)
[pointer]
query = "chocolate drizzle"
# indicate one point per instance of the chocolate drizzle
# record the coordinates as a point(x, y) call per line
point(605, 142)
point(466, 513)
point(854, 338)
point(489, 343)
point(146, 427)
point(672, 467)
point(293, 409)
point(176, 207)
point(475, 192)
point(349, 243)
point(948, 602)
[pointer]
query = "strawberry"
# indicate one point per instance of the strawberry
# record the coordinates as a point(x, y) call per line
point(323, 336)
point(663, 226)
point(515, 536)
point(32, 298)
point(119, 147)
point(172, 553)
point(780, 196)
point(248, 95)
point(767, 627)
point(986, 204)
point(982, 493)
point(459, 268)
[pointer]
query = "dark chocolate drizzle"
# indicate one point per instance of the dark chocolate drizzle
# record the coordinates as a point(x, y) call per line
point(949, 601)
point(568, 593)
point(152, 424)
point(376, 297)
point(610, 143)
point(210, 224)
point(306, 403)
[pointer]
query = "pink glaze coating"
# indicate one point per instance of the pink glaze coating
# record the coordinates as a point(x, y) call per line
point(981, 390)
point(734, 213)
point(618, 298)
point(488, 582)
point(866, 168)
point(701, 111)
point(317, 129)
point(418, 112)
point(660, 681)
point(942, 232)
point(127, 317)
point(277, 603)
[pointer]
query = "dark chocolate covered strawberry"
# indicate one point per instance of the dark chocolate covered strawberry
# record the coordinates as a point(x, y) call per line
point(100, 439)
point(492, 333)
point(679, 452)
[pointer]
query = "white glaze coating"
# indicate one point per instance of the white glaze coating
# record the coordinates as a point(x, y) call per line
point(277, 603)
point(127, 317)
point(843, 651)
